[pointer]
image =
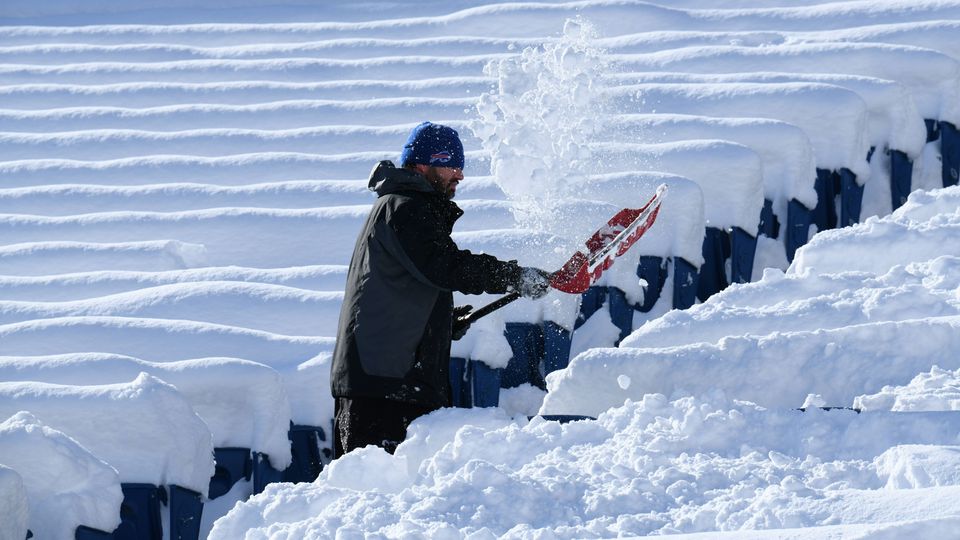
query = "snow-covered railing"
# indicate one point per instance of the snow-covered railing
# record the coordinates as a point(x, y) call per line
point(65, 485)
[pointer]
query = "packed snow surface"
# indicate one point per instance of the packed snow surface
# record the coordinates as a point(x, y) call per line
point(182, 188)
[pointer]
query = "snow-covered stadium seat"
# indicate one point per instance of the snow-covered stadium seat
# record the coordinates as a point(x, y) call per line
point(243, 403)
point(144, 429)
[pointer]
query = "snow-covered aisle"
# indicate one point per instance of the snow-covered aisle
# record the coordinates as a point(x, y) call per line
point(180, 190)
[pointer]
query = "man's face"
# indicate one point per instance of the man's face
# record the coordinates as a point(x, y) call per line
point(445, 179)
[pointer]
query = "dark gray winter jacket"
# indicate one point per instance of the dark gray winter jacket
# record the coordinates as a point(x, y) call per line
point(393, 340)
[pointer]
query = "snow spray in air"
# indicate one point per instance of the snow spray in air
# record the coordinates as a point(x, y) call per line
point(538, 123)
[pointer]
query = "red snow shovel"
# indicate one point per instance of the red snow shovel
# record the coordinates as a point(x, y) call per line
point(583, 270)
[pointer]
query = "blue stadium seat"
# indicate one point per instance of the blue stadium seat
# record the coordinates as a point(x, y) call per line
point(743, 250)
point(460, 375)
point(686, 278)
point(590, 301)
point(186, 509)
point(563, 418)
point(308, 457)
point(713, 272)
point(87, 533)
point(621, 310)
point(950, 152)
point(851, 197)
point(232, 464)
point(308, 453)
point(140, 512)
point(799, 219)
point(485, 384)
point(653, 270)
point(526, 342)
point(829, 185)
point(263, 472)
point(556, 347)
point(901, 178)
point(827, 188)
point(769, 223)
point(933, 129)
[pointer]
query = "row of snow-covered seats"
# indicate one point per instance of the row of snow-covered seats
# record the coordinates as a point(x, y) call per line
point(836, 88)
point(156, 437)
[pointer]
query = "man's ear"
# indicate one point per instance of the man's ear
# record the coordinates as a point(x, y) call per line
point(421, 168)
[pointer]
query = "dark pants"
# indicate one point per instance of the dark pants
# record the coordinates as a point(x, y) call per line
point(380, 422)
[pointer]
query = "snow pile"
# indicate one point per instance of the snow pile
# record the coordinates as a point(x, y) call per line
point(144, 428)
point(926, 227)
point(65, 485)
point(653, 466)
point(935, 390)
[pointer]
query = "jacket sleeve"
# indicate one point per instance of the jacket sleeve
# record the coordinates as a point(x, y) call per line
point(422, 242)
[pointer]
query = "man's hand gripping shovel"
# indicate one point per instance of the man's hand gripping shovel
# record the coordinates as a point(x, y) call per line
point(583, 270)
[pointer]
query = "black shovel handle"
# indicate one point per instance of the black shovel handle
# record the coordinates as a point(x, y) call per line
point(491, 307)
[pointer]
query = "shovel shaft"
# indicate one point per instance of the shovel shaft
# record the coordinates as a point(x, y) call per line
point(491, 307)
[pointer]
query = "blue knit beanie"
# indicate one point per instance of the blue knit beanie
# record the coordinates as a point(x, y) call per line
point(433, 144)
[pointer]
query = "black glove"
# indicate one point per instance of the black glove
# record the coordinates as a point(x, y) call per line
point(533, 282)
point(460, 322)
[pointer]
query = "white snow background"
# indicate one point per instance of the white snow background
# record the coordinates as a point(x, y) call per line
point(180, 190)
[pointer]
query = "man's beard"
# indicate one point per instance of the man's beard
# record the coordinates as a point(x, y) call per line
point(437, 182)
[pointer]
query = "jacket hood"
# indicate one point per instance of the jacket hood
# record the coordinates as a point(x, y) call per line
point(386, 178)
